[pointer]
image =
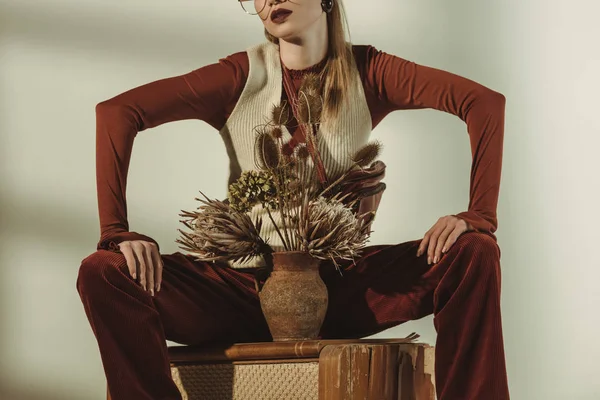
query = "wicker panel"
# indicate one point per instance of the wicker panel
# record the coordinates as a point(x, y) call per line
point(277, 381)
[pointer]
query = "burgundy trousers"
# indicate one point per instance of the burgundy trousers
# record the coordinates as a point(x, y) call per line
point(204, 303)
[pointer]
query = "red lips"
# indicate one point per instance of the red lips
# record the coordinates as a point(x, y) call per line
point(280, 14)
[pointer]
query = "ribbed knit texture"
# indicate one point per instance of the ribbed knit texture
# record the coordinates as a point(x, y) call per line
point(337, 139)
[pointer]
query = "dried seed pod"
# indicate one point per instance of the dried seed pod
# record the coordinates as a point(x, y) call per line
point(266, 151)
point(366, 155)
point(310, 108)
point(311, 84)
point(277, 132)
point(302, 152)
point(280, 113)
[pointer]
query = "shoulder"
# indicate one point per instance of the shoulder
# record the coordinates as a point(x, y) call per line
point(364, 51)
point(369, 62)
point(237, 62)
point(241, 60)
point(230, 71)
point(379, 73)
point(369, 57)
point(366, 57)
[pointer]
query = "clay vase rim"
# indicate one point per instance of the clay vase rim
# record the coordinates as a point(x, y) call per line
point(283, 260)
point(292, 252)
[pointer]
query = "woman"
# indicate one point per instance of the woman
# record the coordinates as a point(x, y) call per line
point(135, 297)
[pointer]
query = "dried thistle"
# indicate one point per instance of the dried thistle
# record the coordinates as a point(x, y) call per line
point(277, 133)
point(311, 84)
point(267, 154)
point(220, 233)
point(361, 159)
point(310, 102)
point(310, 107)
point(280, 113)
point(367, 154)
point(301, 152)
point(250, 188)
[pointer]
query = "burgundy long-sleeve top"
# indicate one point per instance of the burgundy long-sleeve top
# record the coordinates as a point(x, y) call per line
point(210, 93)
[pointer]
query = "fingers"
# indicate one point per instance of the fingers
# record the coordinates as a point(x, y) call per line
point(127, 251)
point(439, 228)
point(141, 251)
point(451, 239)
point(158, 267)
point(442, 239)
point(150, 268)
point(460, 226)
point(143, 262)
point(138, 250)
point(424, 242)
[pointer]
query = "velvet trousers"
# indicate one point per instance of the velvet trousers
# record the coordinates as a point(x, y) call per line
point(203, 303)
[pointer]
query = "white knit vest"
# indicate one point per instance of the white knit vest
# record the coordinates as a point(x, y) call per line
point(337, 140)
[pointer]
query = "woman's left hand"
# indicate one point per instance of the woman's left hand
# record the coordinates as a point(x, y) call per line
point(441, 236)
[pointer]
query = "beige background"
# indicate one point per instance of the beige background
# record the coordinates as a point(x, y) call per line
point(59, 58)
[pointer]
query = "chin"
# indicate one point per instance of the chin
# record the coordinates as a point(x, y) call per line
point(286, 33)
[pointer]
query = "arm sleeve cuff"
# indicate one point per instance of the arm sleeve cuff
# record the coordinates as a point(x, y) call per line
point(111, 242)
point(479, 223)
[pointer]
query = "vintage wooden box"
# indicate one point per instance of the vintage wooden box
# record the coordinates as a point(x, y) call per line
point(371, 369)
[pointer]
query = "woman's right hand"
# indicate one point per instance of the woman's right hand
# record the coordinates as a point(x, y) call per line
point(143, 256)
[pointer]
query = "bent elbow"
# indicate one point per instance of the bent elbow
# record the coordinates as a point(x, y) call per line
point(108, 109)
point(495, 99)
point(489, 102)
point(111, 113)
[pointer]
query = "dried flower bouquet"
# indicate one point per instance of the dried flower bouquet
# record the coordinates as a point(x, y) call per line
point(313, 218)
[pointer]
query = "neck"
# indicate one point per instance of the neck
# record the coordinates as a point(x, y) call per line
point(308, 50)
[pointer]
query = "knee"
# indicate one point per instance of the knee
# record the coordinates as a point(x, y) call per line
point(97, 270)
point(481, 248)
point(478, 243)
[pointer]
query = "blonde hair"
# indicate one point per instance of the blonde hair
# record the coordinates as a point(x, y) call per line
point(340, 60)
